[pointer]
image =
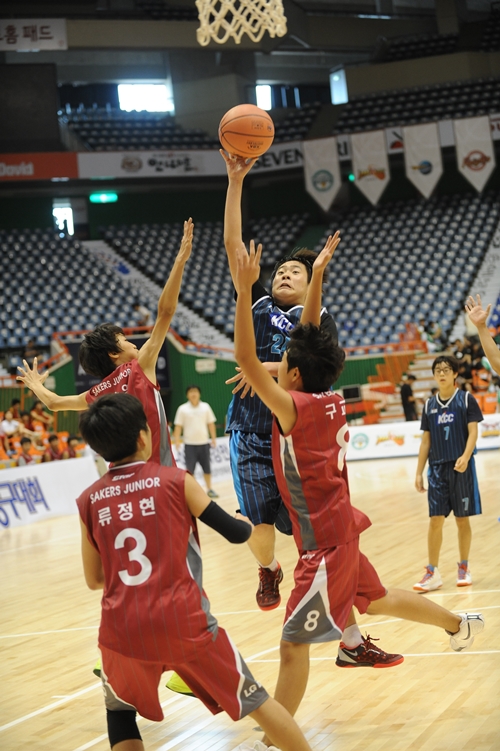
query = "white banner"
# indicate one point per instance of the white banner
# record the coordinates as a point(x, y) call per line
point(370, 163)
point(403, 439)
point(32, 34)
point(219, 461)
point(475, 153)
point(423, 160)
point(39, 491)
point(322, 170)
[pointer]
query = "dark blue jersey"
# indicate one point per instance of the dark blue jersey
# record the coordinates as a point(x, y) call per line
point(271, 325)
point(447, 422)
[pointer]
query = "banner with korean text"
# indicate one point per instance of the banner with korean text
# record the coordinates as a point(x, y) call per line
point(370, 163)
point(39, 491)
point(423, 160)
point(475, 153)
point(322, 170)
point(32, 34)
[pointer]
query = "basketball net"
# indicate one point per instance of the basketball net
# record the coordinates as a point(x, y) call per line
point(221, 19)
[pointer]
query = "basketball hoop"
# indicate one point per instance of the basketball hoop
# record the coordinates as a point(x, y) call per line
point(221, 19)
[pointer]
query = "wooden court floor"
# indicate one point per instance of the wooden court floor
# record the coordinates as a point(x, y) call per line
point(436, 700)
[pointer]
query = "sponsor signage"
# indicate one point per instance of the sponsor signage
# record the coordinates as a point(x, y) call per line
point(370, 163)
point(38, 166)
point(32, 34)
point(475, 152)
point(423, 160)
point(322, 170)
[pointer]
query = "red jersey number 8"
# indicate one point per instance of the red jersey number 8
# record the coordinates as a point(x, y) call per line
point(132, 580)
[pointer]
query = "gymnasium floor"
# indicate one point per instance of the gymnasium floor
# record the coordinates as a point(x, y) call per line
point(436, 700)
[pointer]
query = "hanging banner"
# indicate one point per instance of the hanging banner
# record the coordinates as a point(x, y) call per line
point(370, 163)
point(475, 153)
point(32, 34)
point(423, 160)
point(322, 170)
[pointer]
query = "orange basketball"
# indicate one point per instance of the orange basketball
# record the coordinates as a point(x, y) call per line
point(246, 131)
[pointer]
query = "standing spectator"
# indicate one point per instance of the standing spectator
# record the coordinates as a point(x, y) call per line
point(197, 420)
point(25, 457)
point(38, 414)
point(449, 422)
point(144, 315)
point(52, 454)
point(408, 400)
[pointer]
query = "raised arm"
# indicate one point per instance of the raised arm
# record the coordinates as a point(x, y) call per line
point(167, 305)
point(312, 307)
point(237, 169)
point(478, 317)
point(34, 380)
point(235, 530)
point(274, 396)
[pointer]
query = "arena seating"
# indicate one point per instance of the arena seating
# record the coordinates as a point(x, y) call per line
point(64, 289)
point(420, 104)
point(296, 124)
point(490, 41)
point(405, 261)
point(111, 129)
point(418, 46)
point(159, 10)
point(207, 286)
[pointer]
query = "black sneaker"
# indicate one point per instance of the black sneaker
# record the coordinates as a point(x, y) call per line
point(268, 594)
point(367, 655)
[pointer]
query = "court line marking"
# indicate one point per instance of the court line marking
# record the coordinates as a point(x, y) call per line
point(37, 544)
point(48, 707)
point(408, 654)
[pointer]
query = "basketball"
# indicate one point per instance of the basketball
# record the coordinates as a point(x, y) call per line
point(246, 130)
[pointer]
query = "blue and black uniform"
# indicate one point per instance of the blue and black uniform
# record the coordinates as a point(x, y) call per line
point(249, 421)
point(447, 422)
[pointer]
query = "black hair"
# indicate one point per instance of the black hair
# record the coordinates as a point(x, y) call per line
point(318, 357)
point(411, 377)
point(112, 424)
point(95, 348)
point(193, 386)
point(23, 413)
point(53, 437)
point(446, 360)
point(14, 402)
point(25, 440)
point(302, 255)
point(73, 438)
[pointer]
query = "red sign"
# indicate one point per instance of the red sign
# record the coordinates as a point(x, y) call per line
point(39, 166)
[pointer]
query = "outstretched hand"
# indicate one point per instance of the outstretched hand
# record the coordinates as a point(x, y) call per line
point(247, 266)
point(30, 376)
point(237, 166)
point(475, 311)
point(325, 256)
point(241, 380)
point(186, 242)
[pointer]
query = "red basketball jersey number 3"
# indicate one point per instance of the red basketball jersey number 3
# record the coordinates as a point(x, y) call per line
point(135, 555)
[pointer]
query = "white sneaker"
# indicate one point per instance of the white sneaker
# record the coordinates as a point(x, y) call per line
point(431, 580)
point(257, 746)
point(464, 577)
point(471, 624)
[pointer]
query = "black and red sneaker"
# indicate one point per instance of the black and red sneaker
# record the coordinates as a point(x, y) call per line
point(367, 655)
point(268, 594)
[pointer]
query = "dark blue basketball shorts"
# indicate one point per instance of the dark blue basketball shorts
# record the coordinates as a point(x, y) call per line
point(254, 480)
point(453, 491)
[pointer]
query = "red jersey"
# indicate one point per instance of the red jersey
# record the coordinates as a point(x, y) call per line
point(309, 464)
point(131, 378)
point(153, 605)
point(54, 455)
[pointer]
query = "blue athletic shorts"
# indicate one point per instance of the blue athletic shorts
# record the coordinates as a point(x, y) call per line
point(453, 491)
point(254, 480)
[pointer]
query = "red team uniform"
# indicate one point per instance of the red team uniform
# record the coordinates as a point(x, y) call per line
point(130, 378)
point(331, 574)
point(155, 614)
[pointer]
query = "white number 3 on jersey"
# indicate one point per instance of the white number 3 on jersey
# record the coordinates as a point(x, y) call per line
point(132, 580)
point(343, 443)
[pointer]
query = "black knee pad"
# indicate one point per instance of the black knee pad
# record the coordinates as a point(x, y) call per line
point(122, 726)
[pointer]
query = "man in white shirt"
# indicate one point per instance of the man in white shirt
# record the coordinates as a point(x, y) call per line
point(197, 420)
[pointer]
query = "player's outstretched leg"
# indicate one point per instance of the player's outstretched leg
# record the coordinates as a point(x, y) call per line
point(280, 728)
point(462, 627)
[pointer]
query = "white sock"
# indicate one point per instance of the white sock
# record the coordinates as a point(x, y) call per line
point(351, 636)
point(273, 565)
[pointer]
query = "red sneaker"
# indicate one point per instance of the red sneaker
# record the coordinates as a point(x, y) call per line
point(268, 594)
point(367, 655)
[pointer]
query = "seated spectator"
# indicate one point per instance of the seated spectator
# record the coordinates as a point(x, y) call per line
point(31, 351)
point(464, 378)
point(437, 336)
point(462, 350)
point(25, 457)
point(70, 451)
point(15, 407)
point(144, 315)
point(38, 414)
point(481, 377)
point(52, 454)
point(26, 421)
point(11, 429)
